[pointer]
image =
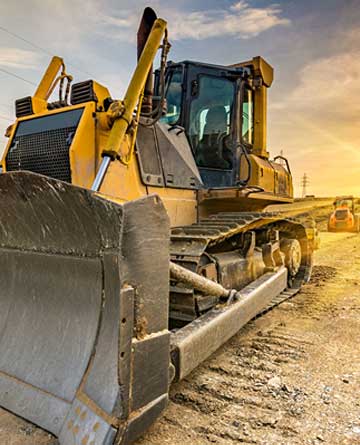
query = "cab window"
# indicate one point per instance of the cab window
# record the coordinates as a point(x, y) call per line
point(248, 117)
point(173, 97)
point(210, 121)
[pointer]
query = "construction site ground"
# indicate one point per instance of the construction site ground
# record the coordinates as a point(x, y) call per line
point(289, 377)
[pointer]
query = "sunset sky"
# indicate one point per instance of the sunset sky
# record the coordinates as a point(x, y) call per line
point(314, 46)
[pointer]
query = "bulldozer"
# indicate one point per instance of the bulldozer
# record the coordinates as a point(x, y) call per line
point(134, 239)
point(344, 218)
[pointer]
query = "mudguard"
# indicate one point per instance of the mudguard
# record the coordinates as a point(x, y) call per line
point(84, 344)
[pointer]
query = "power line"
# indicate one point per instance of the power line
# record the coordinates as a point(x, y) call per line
point(25, 40)
point(17, 76)
point(40, 48)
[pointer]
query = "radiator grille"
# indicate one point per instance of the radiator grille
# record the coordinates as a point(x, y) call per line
point(45, 153)
point(42, 145)
point(341, 224)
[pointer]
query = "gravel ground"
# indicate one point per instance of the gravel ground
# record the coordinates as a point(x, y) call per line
point(290, 377)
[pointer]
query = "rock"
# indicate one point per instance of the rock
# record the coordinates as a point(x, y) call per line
point(286, 388)
point(27, 430)
point(275, 383)
point(320, 438)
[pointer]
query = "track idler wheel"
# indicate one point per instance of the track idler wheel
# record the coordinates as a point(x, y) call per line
point(292, 251)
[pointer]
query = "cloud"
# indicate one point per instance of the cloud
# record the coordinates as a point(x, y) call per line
point(330, 80)
point(328, 84)
point(240, 20)
point(323, 107)
point(18, 58)
point(318, 119)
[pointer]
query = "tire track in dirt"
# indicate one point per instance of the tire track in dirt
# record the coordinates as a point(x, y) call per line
point(288, 378)
point(246, 393)
point(242, 389)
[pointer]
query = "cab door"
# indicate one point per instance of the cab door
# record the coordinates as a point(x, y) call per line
point(209, 122)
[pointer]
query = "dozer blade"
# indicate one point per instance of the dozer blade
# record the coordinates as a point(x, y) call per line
point(84, 345)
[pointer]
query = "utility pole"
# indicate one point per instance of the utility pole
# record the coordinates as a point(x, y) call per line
point(304, 184)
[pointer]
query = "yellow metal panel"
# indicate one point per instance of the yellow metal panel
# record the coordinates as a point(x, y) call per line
point(101, 92)
point(180, 204)
point(82, 150)
point(38, 105)
point(270, 176)
point(236, 200)
point(259, 67)
point(123, 182)
point(283, 180)
point(262, 76)
point(12, 130)
point(48, 78)
point(262, 174)
point(44, 112)
point(260, 121)
point(264, 70)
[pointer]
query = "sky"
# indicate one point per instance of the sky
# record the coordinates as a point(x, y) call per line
point(314, 47)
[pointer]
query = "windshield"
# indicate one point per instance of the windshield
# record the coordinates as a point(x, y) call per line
point(343, 202)
point(341, 214)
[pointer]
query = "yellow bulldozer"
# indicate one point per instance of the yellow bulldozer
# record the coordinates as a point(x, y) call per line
point(344, 217)
point(133, 238)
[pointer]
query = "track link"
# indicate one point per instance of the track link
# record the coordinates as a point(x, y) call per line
point(190, 243)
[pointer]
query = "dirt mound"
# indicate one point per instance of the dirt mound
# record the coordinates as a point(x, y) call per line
point(321, 274)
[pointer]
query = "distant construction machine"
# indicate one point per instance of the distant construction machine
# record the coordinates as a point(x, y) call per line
point(133, 241)
point(344, 218)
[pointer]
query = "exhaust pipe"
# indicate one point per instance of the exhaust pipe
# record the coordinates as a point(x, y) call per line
point(146, 24)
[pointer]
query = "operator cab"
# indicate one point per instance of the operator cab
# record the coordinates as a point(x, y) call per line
point(214, 104)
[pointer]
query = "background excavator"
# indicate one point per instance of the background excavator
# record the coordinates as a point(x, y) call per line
point(344, 217)
point(133, 241)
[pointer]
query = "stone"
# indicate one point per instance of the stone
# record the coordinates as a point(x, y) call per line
point(275, 383)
